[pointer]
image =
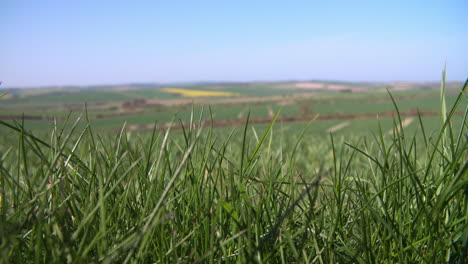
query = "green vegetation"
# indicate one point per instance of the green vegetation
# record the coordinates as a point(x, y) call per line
point(109, 107)
point(272, 193)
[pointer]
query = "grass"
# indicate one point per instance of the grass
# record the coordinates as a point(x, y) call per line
point(251, 194)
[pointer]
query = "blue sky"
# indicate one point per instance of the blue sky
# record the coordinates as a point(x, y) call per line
point(114, 42)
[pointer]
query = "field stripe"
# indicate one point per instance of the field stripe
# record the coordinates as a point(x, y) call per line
point(338, 127)
point(304, 118)
point(404, 124)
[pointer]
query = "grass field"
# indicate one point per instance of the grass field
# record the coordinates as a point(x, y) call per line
point(258, 179)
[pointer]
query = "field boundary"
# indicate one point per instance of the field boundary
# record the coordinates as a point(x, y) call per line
point(241, 121)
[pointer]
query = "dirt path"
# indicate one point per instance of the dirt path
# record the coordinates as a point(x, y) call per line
point(404, 124)
point(338, 127)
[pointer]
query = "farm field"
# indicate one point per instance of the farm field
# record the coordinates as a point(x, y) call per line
point(141, 106)
point(303, 172)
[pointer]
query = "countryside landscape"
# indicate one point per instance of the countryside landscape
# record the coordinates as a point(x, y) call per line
point(144, 107)
point(233, 132)
point(257, 172)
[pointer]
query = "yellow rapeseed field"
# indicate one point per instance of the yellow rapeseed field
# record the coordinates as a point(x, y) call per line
point(197, 93)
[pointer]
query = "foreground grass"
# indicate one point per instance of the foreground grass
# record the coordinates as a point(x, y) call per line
point(250, 196)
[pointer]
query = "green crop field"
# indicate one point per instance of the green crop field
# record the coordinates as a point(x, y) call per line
point(275, 174)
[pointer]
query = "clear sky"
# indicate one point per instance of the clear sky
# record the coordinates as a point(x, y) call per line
point(113, 42)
